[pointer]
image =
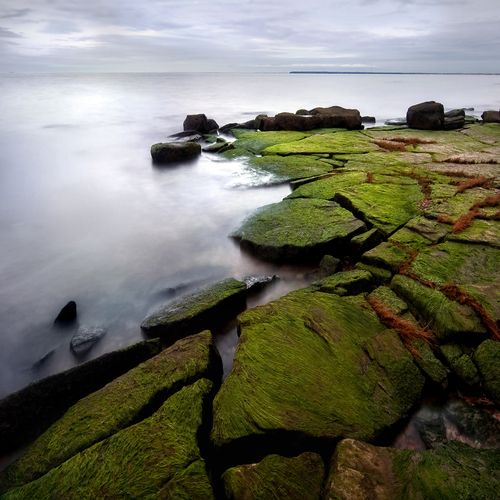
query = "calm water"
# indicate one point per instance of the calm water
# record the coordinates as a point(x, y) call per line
point(85, 216)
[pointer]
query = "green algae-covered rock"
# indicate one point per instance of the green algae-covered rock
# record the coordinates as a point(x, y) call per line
point(339, 142)
point(429, 364)
point(360, 470)
point(382, 276)
point(156, 458)
point(116, 406)
point(25, 414)
point(408, 239)
point(386, 256)
point(460, 363)
point(487, 360)
point(256, 142)
point(167, 152)
point(384, 206)
point(206, 307)
point(366, 241)
point(347, 283)
point(484, 232)
point(313, 365)
point(298, 230)
point(277, 477)
point(449, 320)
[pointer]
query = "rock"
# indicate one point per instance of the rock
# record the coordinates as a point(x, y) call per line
point(454, 119)
point(336, 116)
point(106, 411)
point(199, 123)
point(329, 265)
point(368, 119)
point(366, 241)
point(166, 152)
point(347, 283)
point(361, 470)
point(426, 116)
point(385, 256)
point(429, 364)
point(460, 364)
point(85, 338)
point(302, 112)
point(431, 427)
point(206, 307)
point(158, 457)
point(213, 126)
point(255, 284)
point(309, 368)
point(188, 135)
point(491, 116)
point(277, 477)
point(215, 147)
point(396, 122)
point(487, 361)
point(41, 362)
point(228, 127)
point(300, 230)
point(25, 414)
point(67, 314)
point(256, 142)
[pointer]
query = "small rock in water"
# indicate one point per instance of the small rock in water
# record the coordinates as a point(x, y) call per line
point(37, 365)
point(368, 119)
point(165, 152)
point(67, 314)
point(85, 338)
point(256, 283)
point(397, 122)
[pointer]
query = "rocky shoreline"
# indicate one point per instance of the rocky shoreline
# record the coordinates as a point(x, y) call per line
point(397, 334)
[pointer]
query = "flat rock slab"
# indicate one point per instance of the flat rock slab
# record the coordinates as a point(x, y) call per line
point(337, 143)
point(299, 230)
point(312, 366)
point(277, 477)
point(256, 142)
point(119, 404)
point(205, 308)
point(168, 152)
point(360, 470)
point(156, 458)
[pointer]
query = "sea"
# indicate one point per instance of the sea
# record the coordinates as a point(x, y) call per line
point(86, 216)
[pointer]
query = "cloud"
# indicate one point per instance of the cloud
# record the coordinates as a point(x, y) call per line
point(5, 33)
point(16, 13)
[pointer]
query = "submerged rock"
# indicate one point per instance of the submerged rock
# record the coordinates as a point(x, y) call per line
point(206, 307)
point(298, 230)
point(85, 338)
point(119, 404)
point(277, 477)
point(255, 284)
point(158, 457)
point(167, 152)
point(67, 314)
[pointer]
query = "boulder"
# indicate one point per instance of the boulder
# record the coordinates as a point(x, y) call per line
point(491, 117)
point(25, 414)
point(200, 123)
point(277, 477)
point(85, 338)
point(454, 119)
point(119, 404)
point(255, 284)
point(329, 265)
point(167, 152)
point(460, 364)
point(298, 230)
point(361, 470)
point(158, 457)
point(310, 368)
point(368, 119)
point(209, 306)
point(336, 116)
point(213, 126)
point(67, 314)
point(426, 116)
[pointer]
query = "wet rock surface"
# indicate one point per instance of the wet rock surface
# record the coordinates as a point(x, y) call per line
point(85, 338)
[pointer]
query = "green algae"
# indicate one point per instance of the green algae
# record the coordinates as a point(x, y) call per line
point(347, 283)
point(315, 364)
point(277, 477)
point(384, 206)
point(382, 276)
point(409, 239)
point(339, 142)
point(366, 241)
point(447, 319)
point(298, 230)
point(488, 133)
point(137, 462)
point(484, 232)
point(205, 307)
point(392, 302)
point(234, 153)
point(431, 230)
point(386, 256)
point(256, 142)
point(119, 404)
point(460, 363)
point(428, 363)
point(487, 360)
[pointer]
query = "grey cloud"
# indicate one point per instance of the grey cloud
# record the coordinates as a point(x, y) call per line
point(60, 27)
point(5, 33)
point(16, 13)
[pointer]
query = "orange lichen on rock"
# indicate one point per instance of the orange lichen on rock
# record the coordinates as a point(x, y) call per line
point(474, 182)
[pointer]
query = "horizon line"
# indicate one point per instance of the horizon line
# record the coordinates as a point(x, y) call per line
point(385, 73)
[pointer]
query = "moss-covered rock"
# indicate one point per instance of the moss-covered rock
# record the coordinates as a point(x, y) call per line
point(256, 142)
point(119, 404)
point(167, 152)
point(387, 256)
point(484, 232)
point(487, 361)
point(312, 366)
point(431, 230)
point(347, 283)
point(299, 230)
point(429, 364)
point(156, 458)
point(366, 241)
point(384, 206)
point(277, 477)
point(382, 276)
point(206, 307)
point(409, 239)
point(361, 470)
point(25, 414)
point(449, 320)
point(460, 363)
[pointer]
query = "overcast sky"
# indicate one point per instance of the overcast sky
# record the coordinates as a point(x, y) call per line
point(250, 35)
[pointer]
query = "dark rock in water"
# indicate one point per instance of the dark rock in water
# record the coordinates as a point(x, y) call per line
point(277, 477)
point(166, 152)
point(397, 122)
point(491, 116)
point(226, 128)
point(187, 134)
point(212, 126)
point(336, 116)
point(256, 284)
point(426, 116)
point(27, 413)
point(368, 119)
point(67, 314)
point(197, 122)
point(207, 307)
point(85, 338)
point(454, 119)
point(37, 365)
point(431, 426)
point(215, 147)
point(302, 112)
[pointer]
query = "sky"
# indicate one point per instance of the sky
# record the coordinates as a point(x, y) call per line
point(250, 35)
